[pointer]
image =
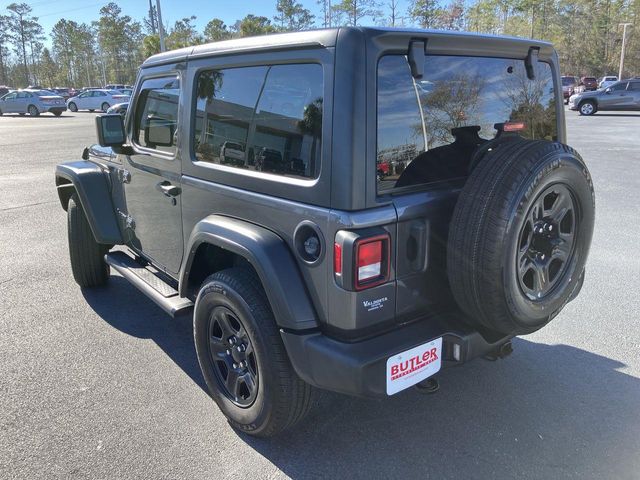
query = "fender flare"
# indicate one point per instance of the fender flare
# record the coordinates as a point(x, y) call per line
point(92, 187)
point(270, 257)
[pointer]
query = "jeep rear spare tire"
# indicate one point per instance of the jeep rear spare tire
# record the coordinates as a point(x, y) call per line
point(520, 235)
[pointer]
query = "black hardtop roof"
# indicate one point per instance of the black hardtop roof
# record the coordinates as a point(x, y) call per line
point(321, 38)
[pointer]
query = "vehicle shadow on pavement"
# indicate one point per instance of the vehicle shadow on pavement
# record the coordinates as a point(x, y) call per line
point(136, 315)
point(547, 411)
point(39, 117)
point(599, 114)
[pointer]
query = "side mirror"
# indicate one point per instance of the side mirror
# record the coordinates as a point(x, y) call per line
point(110, 130)
point(159, 132)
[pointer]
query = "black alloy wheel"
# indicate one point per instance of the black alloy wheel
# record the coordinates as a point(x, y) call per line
point(546, 240)
point(233, 357)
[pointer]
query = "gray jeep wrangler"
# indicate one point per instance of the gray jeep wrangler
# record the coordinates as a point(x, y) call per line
point(350, 209)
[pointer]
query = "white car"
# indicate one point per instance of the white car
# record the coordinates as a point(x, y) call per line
point(605, 82)
point(96, 100)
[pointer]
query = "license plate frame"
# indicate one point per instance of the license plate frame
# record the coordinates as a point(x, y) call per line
point(414, 365)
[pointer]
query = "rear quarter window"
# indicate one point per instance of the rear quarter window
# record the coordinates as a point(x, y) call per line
point(263, 118)
point(429, 129)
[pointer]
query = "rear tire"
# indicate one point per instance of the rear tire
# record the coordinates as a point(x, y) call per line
point(105, 106)
point(33, 111)
point(520, 235)
point(57, 113)
point(265, 396)
point(87, 256)
point(73, 107)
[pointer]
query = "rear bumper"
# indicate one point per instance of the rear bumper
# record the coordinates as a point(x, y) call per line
point(360, 368)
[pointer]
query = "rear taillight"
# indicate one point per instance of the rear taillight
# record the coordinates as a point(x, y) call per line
point(361, 259)
point(337, 259)
point(369, 260)
point(372, 261)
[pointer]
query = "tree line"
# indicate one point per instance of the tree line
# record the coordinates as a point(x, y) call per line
point(586, 33)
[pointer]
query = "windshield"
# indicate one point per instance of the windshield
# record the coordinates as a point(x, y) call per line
point(568, 81)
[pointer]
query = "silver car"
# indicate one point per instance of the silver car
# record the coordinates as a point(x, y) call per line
point(34, 102)
point(622, 95)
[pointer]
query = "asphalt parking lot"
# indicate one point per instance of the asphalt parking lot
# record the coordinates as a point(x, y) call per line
point(102, 384)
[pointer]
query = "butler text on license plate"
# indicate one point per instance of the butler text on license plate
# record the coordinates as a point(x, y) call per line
point(412, 366)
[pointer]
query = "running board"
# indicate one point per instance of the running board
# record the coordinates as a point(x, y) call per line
point(149, 282)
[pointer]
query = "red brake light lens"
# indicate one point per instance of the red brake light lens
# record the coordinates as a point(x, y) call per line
point(369, 260)
point(514, 126)
point(337, 259)
point(372, 261)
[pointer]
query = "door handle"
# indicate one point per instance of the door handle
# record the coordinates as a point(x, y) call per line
point(168, 189)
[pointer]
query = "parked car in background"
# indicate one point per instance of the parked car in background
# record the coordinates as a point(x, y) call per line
point(96, 100)
point(607, 81)
point(232, 153)
point(33, 102)
point(569, 83)
point(589, 83)
point(270, 160)
point(120, 108)
point(623, 95)
point(63, 92)
point(126, 91)
point(117, 86)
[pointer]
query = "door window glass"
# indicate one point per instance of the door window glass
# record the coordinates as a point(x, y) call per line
point(463, 102)
point(619, 86)
point(156, 114)
point(635, 86)
point(265, 118)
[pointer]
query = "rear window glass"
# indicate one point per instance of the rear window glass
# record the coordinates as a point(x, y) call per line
point(264, 118)
point(429, 129)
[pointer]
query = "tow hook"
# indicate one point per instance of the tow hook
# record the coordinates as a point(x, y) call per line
point(429, 385)
point(502, 351)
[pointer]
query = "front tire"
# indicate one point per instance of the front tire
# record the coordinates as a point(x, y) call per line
point(242, 357)
point(105, 106)
point(587, 108)
point(87, 256)
point(73, 107)
point(57, 113)
point(33, 111)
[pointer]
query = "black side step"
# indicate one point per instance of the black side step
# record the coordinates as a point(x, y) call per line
point(149, 283)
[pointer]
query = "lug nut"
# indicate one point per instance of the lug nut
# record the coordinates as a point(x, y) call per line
point(228, 352)
point(232, 340)
point(235, 365)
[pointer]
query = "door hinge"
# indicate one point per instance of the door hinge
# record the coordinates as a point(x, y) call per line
point(124, 175)
point(129, 223)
